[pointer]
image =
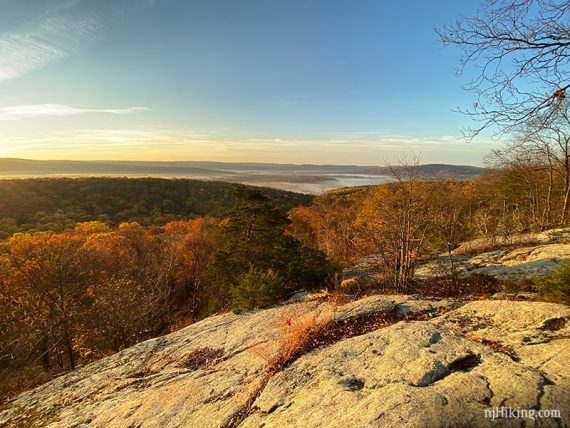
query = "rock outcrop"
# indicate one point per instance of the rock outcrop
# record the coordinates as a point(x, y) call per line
point(551, 236)
point(434, 363)
point(515, 257)
point(523, 262)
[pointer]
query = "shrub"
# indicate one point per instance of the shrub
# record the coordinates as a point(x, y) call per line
point(470, 286)
point(556, 286)
point(257, 289)
point(512, 285)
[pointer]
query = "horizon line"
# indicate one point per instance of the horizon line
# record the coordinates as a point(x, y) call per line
point(229, 162)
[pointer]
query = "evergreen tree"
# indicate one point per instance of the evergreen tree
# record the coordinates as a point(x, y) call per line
point(254, 240)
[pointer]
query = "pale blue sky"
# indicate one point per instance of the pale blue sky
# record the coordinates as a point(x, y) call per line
point(305, 81)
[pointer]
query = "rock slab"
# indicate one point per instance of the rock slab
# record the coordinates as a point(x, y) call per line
point(442, 369)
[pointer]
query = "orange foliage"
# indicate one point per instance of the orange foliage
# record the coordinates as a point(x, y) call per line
point(78, 295)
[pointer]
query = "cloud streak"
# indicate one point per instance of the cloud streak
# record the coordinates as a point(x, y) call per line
point(59, 110)
point(63, 29)
point(53, 38)
point(208, 144)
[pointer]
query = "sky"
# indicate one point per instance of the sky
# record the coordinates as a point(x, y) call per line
point(297, 81)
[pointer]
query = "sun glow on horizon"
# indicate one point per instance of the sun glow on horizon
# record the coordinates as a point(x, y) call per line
point(78, 82)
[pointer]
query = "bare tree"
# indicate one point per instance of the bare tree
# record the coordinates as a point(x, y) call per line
point(405, 222)
point(447, 211)
point(540, 157)
point(520, 49)
point(554, 140)
point(526, 184)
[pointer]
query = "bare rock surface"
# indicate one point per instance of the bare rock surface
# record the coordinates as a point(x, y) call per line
point(547, 237)
point(441, 363)
point(536, 254)
point(525, 262)
point(518, 256)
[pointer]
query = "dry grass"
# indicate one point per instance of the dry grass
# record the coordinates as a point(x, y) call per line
point(297, 330)
point(203, 357)
point(303, 329)
point(338, 298)
point(495, 346)
point(144, 371)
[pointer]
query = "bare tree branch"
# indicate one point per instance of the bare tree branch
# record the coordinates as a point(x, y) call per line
point(520, 50)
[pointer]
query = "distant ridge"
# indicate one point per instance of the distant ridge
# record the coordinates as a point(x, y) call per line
point(433, 170)
point(12, 166)
point(15, 166)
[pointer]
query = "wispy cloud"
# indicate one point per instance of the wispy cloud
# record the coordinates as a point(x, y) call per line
point(156, 143)
point(46, 110)
point(53, 38)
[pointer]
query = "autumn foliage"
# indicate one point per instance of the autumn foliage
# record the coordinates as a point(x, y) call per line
point(69, 298)
point(411, 219)
point(72, 297)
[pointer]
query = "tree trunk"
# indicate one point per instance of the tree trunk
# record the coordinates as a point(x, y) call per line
point(566, 197)
point(45, 352)
point(548, 207)
point(68, 344)
point(452, 266)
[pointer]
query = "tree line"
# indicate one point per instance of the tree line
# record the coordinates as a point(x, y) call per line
point(410, 219)
point(58, 204)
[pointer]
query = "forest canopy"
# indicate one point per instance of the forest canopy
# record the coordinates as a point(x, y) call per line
point(69, 298)
point(58, 204)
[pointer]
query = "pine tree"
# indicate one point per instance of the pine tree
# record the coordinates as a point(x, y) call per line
point(255, 239)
